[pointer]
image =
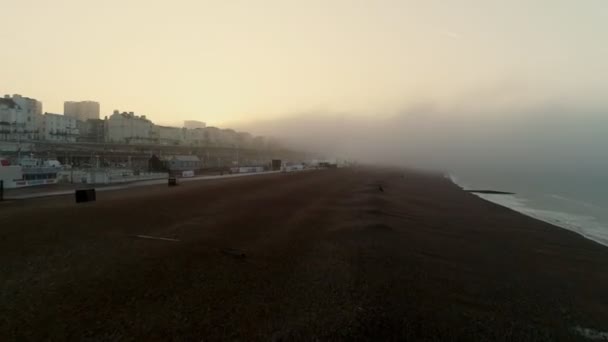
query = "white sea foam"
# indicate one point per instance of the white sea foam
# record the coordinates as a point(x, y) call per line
point(591, 334)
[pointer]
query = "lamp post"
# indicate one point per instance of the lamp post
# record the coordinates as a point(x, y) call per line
point(238, 163)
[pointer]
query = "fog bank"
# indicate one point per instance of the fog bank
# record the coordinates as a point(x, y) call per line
point(430, 136)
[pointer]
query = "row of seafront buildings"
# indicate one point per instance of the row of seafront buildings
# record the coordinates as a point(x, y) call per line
point(22, 119)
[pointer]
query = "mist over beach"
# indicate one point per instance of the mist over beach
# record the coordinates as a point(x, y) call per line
point(552, 156)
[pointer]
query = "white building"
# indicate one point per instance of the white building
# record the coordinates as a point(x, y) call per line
point(259, 143)
point(129, 128)
point(18, 117)
point(244, 140)
point(8, 117)
point(193, 124)
point(166, 135)
point(83, 110)
point(196, 137)
point(57, 127)
point(213, 136)
point(228, 138)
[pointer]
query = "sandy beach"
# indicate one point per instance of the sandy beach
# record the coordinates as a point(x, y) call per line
point(323, 255)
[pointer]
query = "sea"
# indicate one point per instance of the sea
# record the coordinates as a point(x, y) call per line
point(573, 197)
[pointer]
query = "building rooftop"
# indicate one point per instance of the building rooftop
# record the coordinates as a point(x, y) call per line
point(9, 103)
point(129, 115)
point(167, 127)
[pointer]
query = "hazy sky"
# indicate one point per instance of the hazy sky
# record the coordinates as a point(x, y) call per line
point(224, 61)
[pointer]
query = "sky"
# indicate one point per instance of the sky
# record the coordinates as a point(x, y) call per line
point(230, 62)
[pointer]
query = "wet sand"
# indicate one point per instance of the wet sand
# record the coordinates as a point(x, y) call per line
point(321, 255)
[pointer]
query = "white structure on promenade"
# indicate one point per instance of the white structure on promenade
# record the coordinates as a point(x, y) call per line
point(83, 110)
point(129, 128)
point(57, 127)
point(182, 162)
point(18, 118)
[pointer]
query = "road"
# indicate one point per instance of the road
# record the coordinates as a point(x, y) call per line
point(68, 189)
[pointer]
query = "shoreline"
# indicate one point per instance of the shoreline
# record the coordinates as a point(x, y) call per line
point(497, 197)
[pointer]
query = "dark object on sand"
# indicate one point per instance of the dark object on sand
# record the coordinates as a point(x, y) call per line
point(155, 164)
point(490, 192)
point(234, 252)
point(380, 188)
point(85, 195)
point(276, 164)
point(327, 165)
point(172, 181)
